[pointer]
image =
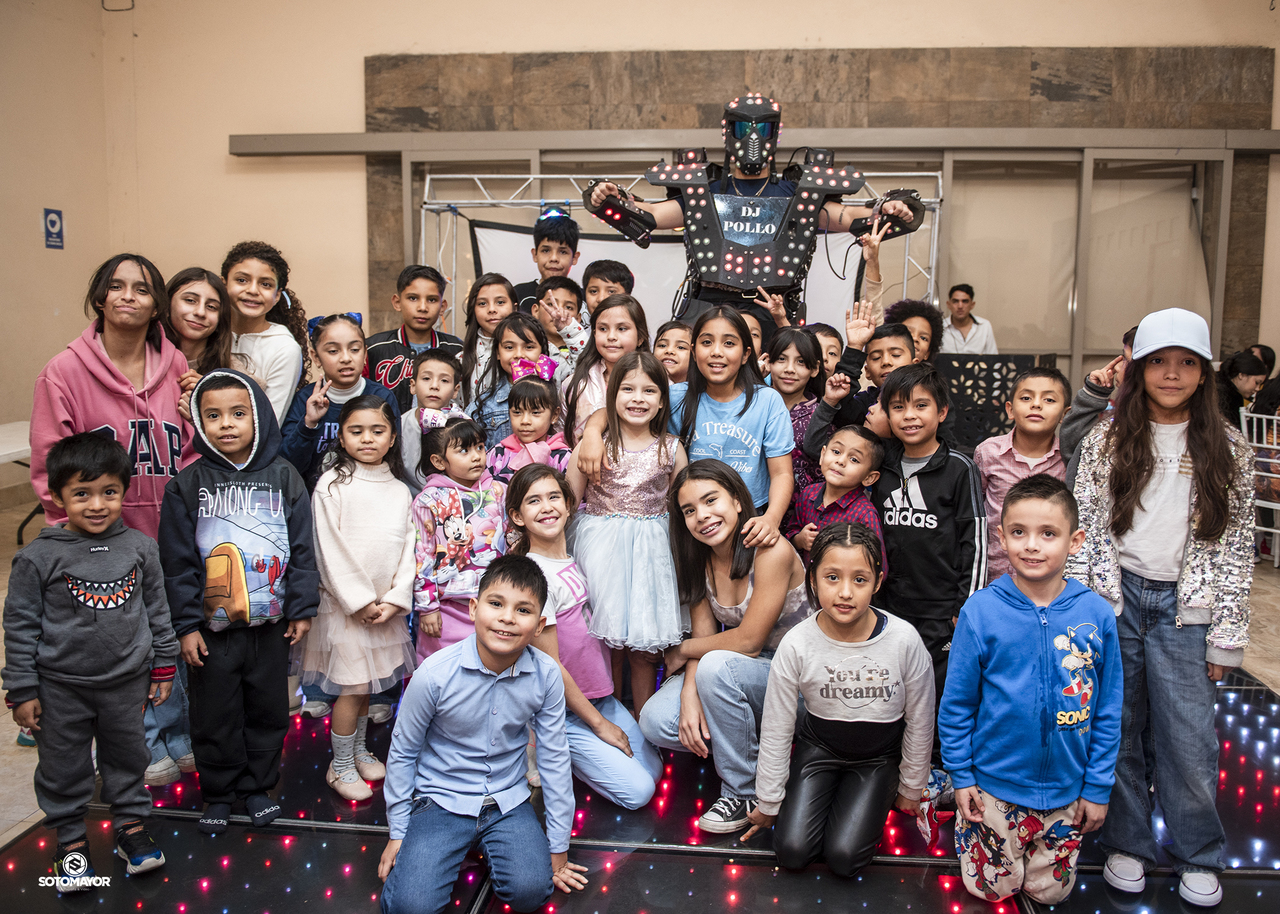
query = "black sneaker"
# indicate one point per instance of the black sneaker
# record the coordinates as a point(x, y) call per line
point(72, 867)
point(137, 850)
point(727, 815)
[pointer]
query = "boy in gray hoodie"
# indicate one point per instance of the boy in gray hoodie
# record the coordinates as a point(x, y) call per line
point(88, 642)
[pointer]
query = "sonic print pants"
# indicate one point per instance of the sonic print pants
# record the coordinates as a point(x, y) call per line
point(1016, 849)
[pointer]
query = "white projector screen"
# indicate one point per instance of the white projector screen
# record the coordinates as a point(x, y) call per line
point(660, 268)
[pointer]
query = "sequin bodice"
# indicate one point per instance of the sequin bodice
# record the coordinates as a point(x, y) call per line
point(795, 607)
point(635, 485)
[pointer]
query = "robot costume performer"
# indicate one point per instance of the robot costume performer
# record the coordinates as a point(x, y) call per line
point(741, 233)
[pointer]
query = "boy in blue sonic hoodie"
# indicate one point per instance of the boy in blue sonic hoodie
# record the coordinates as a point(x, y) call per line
point(236, 546)
point(1042, 650)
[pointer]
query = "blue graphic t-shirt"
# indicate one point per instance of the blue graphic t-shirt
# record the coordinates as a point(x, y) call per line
point(744, 441)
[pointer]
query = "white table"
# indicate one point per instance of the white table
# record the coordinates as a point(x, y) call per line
point(15, 447)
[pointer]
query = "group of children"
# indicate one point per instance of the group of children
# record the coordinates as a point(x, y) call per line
point(431, 508)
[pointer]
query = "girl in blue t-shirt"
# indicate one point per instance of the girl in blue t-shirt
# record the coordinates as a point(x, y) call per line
point(726, 411)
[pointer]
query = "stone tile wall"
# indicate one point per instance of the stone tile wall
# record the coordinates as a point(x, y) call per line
point(1207, 87)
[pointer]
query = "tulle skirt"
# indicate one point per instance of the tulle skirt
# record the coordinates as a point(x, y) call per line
point(344, 656)
point(632, 581)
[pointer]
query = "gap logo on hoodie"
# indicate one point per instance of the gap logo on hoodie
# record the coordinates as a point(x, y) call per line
point(906, 507)
point(1083, 648)
point(154, 447)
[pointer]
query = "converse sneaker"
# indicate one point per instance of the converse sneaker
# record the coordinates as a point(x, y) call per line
point(1126, 873)
point(135, 847)
point(71, 862)
point(729, 814)
point(165, 771)
point(1200, 888)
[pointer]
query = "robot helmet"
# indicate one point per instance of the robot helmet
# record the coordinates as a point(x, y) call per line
point(750, 129)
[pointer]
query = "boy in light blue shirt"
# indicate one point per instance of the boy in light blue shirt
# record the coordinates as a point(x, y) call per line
point(456, 768)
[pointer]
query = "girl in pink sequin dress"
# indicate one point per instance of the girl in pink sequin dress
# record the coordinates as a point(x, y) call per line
point(620, 532)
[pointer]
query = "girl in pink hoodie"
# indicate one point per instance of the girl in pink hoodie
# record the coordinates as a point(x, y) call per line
point(120, 378)
point(458, 519)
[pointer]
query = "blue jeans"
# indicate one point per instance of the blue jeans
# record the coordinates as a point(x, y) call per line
point(731, 687)
point(168, 726)
point(436, 842)
point(628, 782)
point(1165, 686)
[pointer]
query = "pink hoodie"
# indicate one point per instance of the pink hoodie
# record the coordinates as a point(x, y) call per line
point(80, 390)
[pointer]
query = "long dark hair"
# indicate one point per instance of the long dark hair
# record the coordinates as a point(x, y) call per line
point(523, 326)
point(217, 345)
point(100, 282)
point(524, 480)
point(748, 375)
point(692, 557)
point(287, 311)
point(462, 430)
point(648, 364)
point(590, 357)
point(1132, 448)
point(344, 464)
point(472, 334)
point(843, 535)
point(810, 351)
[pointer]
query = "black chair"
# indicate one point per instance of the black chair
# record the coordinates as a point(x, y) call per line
point(980, 385)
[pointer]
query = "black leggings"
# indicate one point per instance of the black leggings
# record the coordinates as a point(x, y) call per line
point(834, 808)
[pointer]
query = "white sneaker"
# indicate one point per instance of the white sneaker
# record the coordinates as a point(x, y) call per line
point(1125, 873)
point(187, 762)
point(1200, 888)
point(316, 709)
point(379, 714)
point(727, 815)
point(295, 694)
point(165, 771)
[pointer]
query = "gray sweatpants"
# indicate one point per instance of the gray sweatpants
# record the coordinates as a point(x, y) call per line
point(71, 717)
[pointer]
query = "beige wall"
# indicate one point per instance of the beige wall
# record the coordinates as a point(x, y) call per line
point(122, 119)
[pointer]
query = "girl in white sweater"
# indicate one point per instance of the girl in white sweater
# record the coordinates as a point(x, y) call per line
point(364, 540)
point(862, 743)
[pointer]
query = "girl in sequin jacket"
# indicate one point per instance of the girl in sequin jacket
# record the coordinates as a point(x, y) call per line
point(1165, 491)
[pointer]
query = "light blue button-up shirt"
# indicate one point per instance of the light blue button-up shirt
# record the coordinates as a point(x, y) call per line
point(461, 733)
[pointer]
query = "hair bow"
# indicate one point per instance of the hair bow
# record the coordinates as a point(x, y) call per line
point(544, 367)
point(315, 322)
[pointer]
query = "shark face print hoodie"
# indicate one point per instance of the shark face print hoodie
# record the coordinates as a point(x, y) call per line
point(87, 611)
point(81, 390)
point(1031, 711)
point(236, 542)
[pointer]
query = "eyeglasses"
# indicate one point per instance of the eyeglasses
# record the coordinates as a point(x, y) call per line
point(742, 129)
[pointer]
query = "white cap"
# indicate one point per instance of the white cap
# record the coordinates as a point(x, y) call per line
point(1172, 327)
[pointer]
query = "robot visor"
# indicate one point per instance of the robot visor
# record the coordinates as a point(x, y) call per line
point(743, 129)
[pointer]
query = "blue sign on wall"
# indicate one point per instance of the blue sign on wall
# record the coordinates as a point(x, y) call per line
point(53, 228)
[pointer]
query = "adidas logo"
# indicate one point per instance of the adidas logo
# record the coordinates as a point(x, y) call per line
point(907, 517)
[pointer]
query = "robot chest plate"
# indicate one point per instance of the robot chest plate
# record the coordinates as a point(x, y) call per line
point(750, 220)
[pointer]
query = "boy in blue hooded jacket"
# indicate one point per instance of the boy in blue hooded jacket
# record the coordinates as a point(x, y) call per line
point(1030, 718)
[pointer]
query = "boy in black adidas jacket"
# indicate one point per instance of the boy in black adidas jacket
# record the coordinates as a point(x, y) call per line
point(930, 499)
